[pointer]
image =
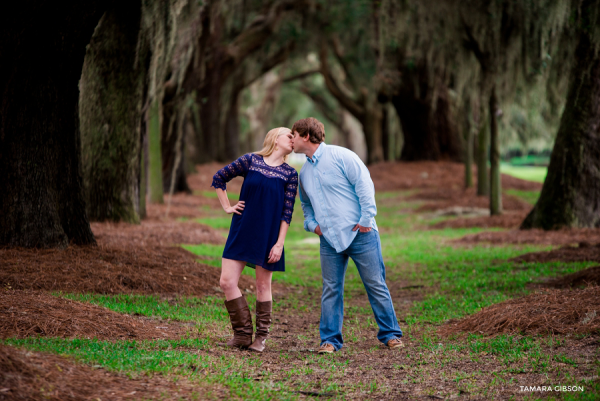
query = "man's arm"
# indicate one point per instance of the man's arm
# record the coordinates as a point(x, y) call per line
point(309, 214)
point(359, 177)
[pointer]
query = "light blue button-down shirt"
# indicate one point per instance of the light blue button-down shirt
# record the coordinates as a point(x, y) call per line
point(336, 192)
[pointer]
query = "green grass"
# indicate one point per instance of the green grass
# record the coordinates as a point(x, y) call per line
point(207, 312)
point(232, 196)
point(209, 254)
point(220, 221)
point(530, 173)
point(464, 279)
point(185, 309)
point(530, 197)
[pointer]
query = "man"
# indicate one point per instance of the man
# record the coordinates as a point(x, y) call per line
point(338, 201)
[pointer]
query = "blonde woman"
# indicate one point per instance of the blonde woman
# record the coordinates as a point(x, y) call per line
point(260, 222)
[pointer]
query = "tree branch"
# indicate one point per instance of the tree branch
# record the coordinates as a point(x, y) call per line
point(322, 105)
point(300, 76)
point(272, 62)
point(339, 55)
point(347, 102)
point(471, 43)
point(257, 33)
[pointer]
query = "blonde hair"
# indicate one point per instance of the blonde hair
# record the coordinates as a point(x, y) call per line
point(269, 143)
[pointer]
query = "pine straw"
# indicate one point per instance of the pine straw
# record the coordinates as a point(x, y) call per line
point(584, 252)
point(38, 376)
point(505, 220)
point(110, 270)
point(547, 312)
point(444, 197)
point(32, 314)
point(182, 205)
point(583, 278)
point(535, 236)
point(201, 180)
point(155, 233)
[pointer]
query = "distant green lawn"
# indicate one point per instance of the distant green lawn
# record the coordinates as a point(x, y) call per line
point(530, 173)
point(530, 160)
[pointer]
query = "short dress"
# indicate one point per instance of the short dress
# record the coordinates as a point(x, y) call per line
point(269, 194)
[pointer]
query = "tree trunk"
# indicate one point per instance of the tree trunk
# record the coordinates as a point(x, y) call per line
point(210, 116)
point(430, 132)
point(173, 151)
point(483, 185)
point(495, 184)
point(469, 140)
point(143, 170)
point(172, 144)
point(110, 106)
point(155, 186)
point(372, 126)
point(396, 137)
point(391, 133)
point(232, 120)
point(42, 48)
point(386, 140)
point(570, 196)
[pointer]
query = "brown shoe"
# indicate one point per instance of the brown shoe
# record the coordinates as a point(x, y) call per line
point(241, 323)
point(263, 322)
point(395, 343)
point(326, 349)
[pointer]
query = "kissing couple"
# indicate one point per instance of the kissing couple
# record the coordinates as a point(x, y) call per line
point(338, 201)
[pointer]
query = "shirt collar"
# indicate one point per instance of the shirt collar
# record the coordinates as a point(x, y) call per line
point(317, 155)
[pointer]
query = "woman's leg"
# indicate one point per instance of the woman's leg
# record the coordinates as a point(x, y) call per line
point(263, 284)
point(230, 276)
point(239, 313)
point(264, 307)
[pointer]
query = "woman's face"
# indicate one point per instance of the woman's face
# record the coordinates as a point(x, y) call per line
point(284, 142)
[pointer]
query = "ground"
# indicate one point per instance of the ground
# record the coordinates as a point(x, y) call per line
point(488, 311)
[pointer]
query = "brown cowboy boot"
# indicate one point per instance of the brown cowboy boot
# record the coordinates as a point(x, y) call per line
point(241, 322)
point(263, 321)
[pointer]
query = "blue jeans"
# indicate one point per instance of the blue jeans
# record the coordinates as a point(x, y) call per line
point(365, 251)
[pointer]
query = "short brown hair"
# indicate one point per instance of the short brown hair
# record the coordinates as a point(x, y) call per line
point(312, 127)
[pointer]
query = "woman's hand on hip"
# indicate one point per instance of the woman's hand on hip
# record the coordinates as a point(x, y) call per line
point(238, 208)
point(275, 253)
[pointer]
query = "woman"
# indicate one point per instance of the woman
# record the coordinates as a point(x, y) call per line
point(260, 222)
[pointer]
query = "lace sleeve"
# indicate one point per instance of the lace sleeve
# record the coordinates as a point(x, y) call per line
point(291, 187)
point(239, 167)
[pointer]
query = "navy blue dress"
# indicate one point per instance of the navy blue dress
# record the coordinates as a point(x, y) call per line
point(269, 193)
